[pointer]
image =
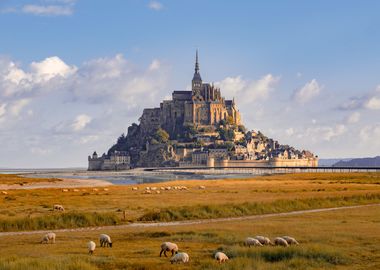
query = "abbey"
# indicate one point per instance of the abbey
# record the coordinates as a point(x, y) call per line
point(196, 128)
point(202, 106)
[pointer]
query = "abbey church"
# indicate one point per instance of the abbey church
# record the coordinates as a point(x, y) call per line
point(196, 128)
point(202, 106)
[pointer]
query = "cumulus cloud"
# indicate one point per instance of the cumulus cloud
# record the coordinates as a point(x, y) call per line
point(309, 91)
point(248, 91)
point(155, 5)
point(373, 103)
point(325, 133)
point(353, 118)
point(370, 101)
point(80, 122)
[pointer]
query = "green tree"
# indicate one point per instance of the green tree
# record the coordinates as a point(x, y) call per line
point(161, 136)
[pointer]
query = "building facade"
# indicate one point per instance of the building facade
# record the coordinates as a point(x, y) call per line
point(202, 106)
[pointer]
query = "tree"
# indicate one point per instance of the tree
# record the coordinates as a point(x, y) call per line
point(161, 136)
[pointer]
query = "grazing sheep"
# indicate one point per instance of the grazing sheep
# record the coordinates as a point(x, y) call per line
point(95, 189)
point(106, 189)
point(76, 190)
point(147, 188)
point(290, 240)
point(278, 241)
point(147, 192)
point(221, 257)
point(162, 188)
point(168, 246)
point(135, 188)
point(58, 207)
point(105, 240)
point(263, 240)
point(91, 247)
point(158, 192)
point(180, 257)
point(65, 190)
point(168, 188)
point(202, 187)
point(153, 188)
point(49, 237)
point(4, 192)
point(249, 241)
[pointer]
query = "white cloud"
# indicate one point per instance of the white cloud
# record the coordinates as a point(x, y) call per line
point(370, 134)
point(307, 92)
point(51, 67)
point(248, 91)
point(154, 65)
point(80, 122)
point(16, 107)
point(373, 103)
point(51, 10)
point(155, 5)
point(289, 131)
point(353, 118)
point(324, 133)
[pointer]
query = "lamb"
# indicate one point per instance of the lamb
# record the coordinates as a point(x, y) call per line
point(202, 187)
point(221, 257)
point(4, 192)
point(249, 241)
point(290, 240)
point(168, 246)
point(278, 241)
point(263, 240)
point(49, 237)
point(58, 207)
point(181, 257)
point(105, 241)
point(91, 247)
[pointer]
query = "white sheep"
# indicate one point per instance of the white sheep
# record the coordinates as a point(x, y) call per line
point(263, 240)
point(168, 246)
point(106, 189)
point(65, 190)
point(91, 247)
point(249, 241)
point(202, 187)
point(4, 192)
point(135, 188)
point(105, 240)
point(153, 188)
point(49, 237)
point(168, 188)
point(95, 189)
point(58, 207)
point(278, 241)
point(180, 257)
point(76, 190)
point(221, 257)
point(290, 240)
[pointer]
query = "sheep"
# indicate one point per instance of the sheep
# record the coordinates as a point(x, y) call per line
point(147, 188)
point(202, 187)
point(263, 240)
point(106, 189)
point(135, 188)
point(162, 188)
point(49, 237)
point(95, 189)
point(65, 190)
point(158, 192)
point(168, 188)
point(105, 240)
point(153, 188)
point(76, 190)
point(91, 247)
point(249, 241)
point(221, 257)
point(58, 207)
point(147, 192)
point(181, 257)
point(290, 240)
point(278, 241)
point(4, 192)
point(168, 246)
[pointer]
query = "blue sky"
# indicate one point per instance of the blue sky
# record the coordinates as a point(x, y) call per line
point(75, 73)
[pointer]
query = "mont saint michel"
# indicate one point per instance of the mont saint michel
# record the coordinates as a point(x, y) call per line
point(196, 128)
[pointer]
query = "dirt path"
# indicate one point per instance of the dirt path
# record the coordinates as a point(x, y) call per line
point(190, 222)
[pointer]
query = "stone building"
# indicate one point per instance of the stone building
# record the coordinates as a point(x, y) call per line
point(118, 160)
point(202, 106)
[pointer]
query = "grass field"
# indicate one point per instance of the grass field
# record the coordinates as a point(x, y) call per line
point(13, 179)
point(343, 239)
point(32, 209)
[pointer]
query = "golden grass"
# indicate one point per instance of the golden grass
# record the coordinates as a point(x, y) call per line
point(343, 239)
point(307, 190)
point(14, 179)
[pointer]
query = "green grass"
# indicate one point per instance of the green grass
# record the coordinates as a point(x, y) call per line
point(255, 208)
point(59, 221)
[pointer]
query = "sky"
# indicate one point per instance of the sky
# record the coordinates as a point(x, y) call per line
point(74, 74)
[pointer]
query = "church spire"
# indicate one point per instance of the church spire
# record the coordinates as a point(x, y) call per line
point(196, 62)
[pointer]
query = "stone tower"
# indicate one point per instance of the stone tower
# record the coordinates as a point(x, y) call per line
point(196, 84)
